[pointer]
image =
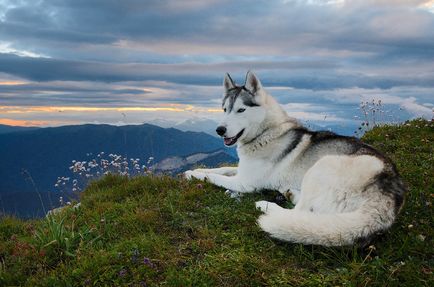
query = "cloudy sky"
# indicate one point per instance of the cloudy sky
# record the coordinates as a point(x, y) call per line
point(126, 62)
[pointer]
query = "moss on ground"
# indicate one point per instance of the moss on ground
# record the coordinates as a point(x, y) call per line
point(149, 231)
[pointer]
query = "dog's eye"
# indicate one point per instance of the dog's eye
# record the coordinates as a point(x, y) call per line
point(241, 110)
point(224, 110)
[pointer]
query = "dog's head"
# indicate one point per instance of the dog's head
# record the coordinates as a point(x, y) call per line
point(243, 109)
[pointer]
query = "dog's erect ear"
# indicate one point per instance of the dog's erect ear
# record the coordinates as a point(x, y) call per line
point(252, 82)
point(228, 83)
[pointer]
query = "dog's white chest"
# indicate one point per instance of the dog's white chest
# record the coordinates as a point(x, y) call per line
point(256, 173)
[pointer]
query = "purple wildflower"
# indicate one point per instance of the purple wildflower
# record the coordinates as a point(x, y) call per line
point(148, 262)
point(122, 273)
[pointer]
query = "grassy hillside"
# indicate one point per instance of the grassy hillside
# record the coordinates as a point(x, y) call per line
point(151, 231)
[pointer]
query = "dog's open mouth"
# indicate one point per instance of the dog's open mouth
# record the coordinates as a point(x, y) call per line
point(233, 140)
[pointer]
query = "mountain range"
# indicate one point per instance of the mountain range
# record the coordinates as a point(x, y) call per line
point(33, 159)
point(176, 164)
point(193, 124)
point(9, 129)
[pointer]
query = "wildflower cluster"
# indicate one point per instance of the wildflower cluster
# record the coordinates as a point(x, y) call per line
point(373, 114)
point(85, 171)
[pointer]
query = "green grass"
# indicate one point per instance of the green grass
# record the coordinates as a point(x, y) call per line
point(170, 232)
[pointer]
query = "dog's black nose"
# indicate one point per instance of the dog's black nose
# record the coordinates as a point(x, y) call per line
point(221, 130)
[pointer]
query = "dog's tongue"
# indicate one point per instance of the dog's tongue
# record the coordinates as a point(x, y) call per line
point(228, 141)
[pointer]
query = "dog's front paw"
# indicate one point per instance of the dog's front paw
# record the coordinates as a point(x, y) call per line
point(189, 174)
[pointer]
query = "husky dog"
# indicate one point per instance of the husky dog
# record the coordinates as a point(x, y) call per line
point(344, 191)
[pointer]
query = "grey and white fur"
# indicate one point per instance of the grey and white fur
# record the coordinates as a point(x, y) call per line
point(344, 191)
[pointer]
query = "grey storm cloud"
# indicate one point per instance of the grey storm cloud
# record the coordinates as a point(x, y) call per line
point(299, 74)
point(97, 21)
point(284, 27)
point(48, 69)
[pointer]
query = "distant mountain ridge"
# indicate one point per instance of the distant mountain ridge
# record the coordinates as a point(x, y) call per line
point(10, 129)
point(46, 153)
point(178, 164)
point(194, 124)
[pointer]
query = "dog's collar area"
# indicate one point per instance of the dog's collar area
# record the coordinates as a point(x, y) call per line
point(269, 134)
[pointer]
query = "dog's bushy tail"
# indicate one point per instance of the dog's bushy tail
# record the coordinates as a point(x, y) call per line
point(325, 229)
